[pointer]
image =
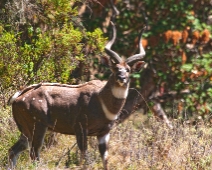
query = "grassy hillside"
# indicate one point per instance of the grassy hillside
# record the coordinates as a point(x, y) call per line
point(139, 143)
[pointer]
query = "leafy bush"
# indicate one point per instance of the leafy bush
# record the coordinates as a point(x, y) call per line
point(43, 45)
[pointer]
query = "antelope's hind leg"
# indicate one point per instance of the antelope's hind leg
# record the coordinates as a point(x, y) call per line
point(33, 140)
point(21, 145)
point(37, 140)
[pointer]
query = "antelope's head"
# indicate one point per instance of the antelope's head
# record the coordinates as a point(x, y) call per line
point(122, 68)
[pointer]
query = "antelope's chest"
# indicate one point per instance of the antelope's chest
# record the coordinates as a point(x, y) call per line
point(99, 129)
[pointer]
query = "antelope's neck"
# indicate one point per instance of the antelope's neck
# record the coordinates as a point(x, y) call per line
point(112, 99)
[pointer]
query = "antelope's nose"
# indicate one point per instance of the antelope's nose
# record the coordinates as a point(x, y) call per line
point(122, 78)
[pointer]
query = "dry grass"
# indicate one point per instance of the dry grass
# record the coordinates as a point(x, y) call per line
point(140, 143)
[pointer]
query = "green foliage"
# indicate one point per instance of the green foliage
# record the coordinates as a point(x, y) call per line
point(9, 55)
point(48, 47)
point(68, 48)
point(95, 40)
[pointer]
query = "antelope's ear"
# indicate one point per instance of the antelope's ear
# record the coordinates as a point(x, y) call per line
point(105, 61)
point(138, 66)
point(108, 62)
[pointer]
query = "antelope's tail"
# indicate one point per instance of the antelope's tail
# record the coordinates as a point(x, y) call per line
point(12, 98)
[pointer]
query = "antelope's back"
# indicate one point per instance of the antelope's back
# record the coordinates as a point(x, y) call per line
point(55, 105)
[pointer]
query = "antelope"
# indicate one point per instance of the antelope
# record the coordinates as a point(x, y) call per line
point(83, 110)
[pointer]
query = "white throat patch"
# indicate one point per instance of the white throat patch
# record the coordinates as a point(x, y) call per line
point(120, 92)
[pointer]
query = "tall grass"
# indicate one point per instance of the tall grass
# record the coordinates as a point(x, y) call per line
point(140, 143)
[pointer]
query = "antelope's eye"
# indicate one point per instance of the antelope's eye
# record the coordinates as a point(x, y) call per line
point(127, 69)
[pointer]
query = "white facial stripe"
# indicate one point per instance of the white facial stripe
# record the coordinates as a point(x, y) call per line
point(119, 92)
point(104, 139)
point(122, 70)
point(108, 114)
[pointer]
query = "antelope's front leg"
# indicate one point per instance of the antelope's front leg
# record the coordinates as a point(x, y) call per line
point(103, 149)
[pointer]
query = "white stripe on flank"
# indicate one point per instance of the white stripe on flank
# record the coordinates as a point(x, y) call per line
point(108, 114)
point(120, 92)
